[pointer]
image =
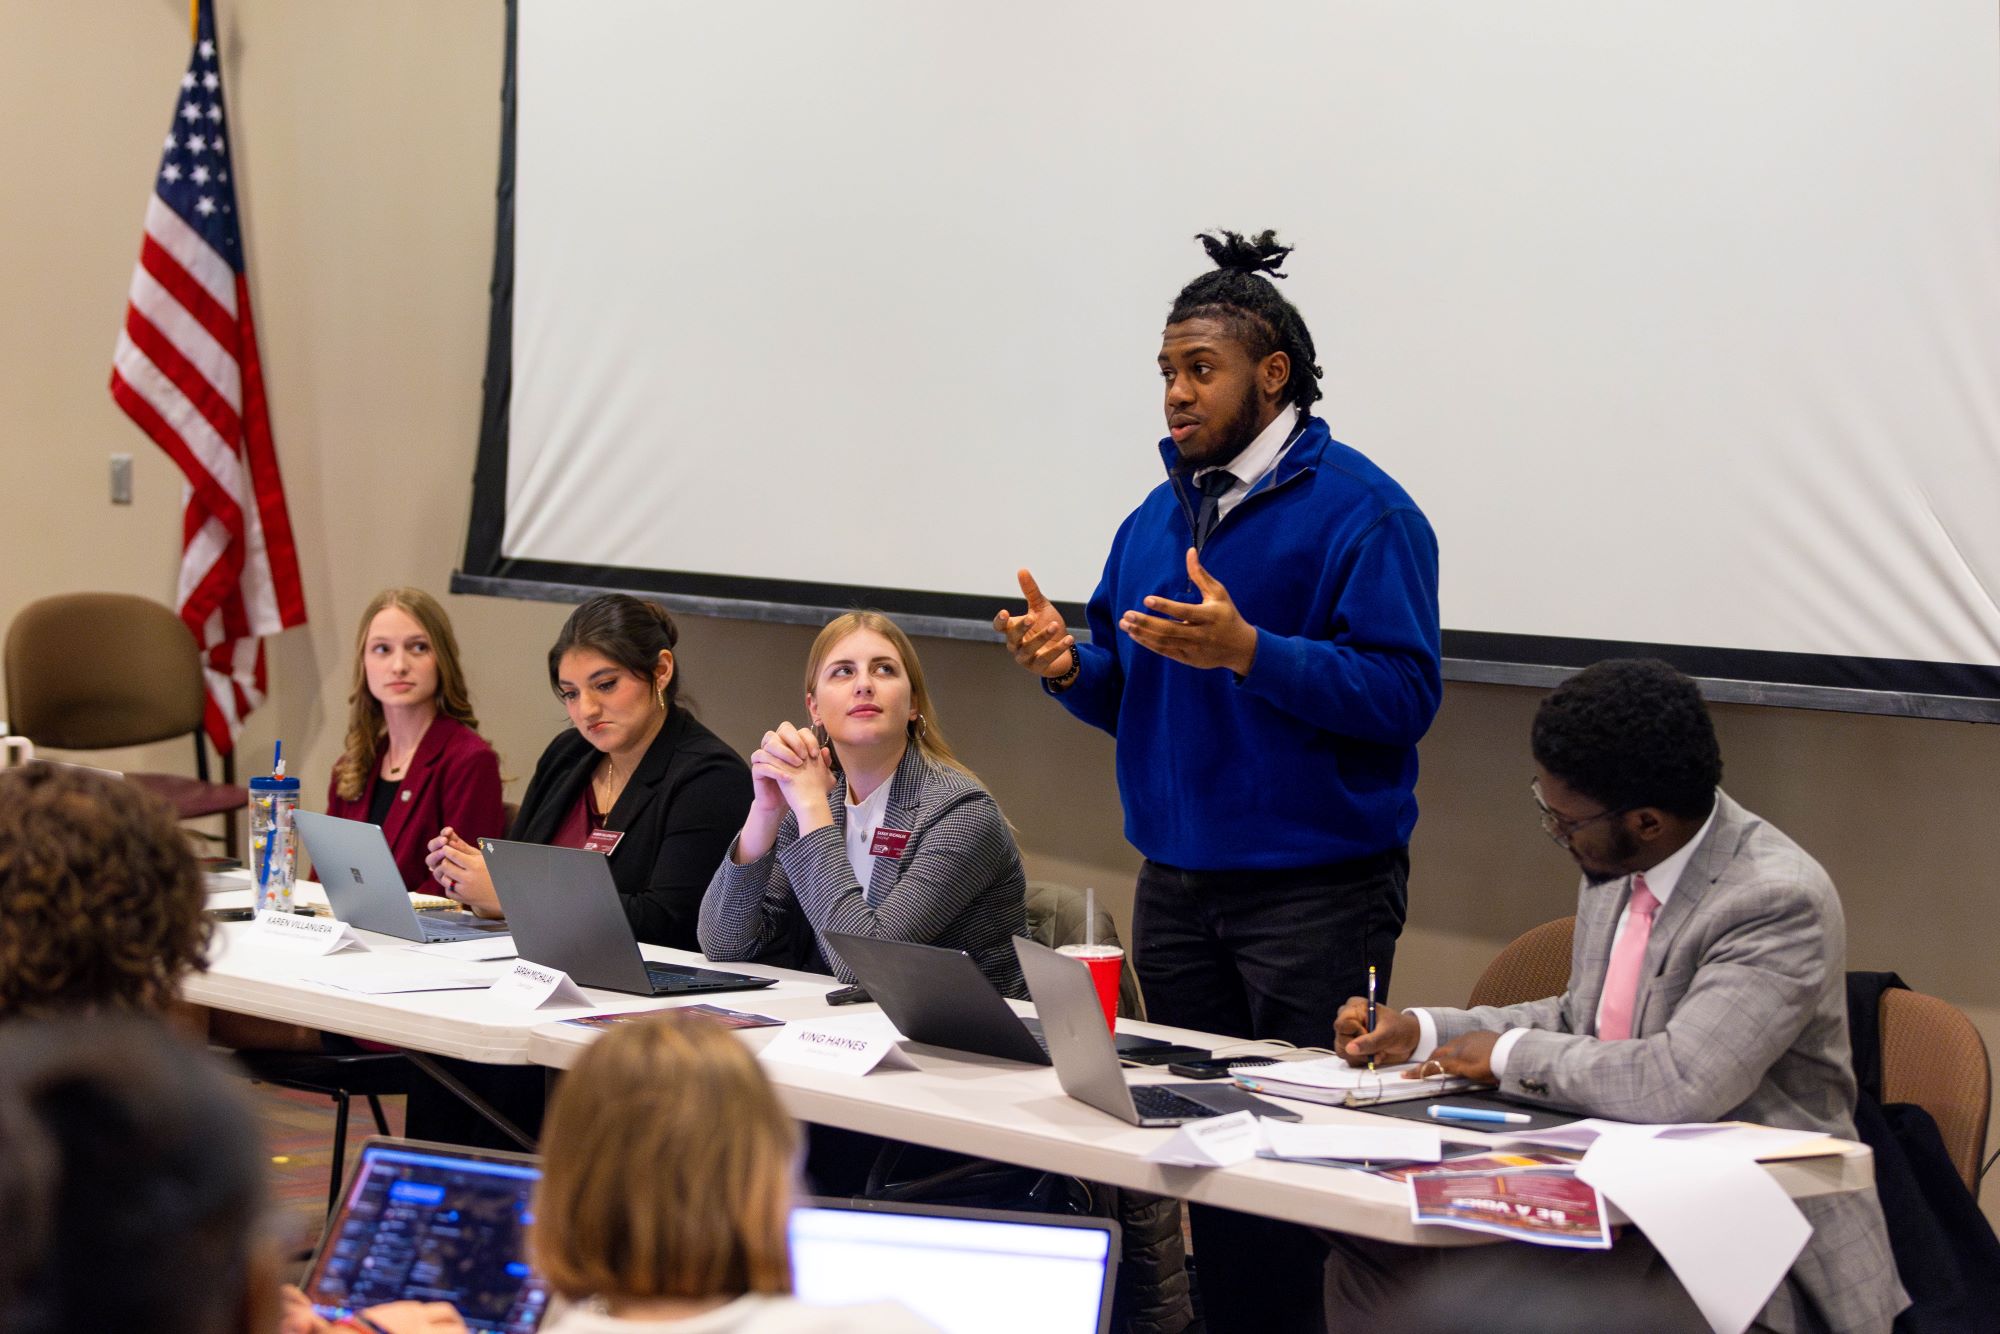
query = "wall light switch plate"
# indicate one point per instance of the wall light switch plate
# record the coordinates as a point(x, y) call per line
point(121, 479)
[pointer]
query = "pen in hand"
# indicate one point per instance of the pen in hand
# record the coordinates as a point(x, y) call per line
point(1371, 1008)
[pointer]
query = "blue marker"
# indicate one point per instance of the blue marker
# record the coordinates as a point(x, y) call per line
point(1479, 1114)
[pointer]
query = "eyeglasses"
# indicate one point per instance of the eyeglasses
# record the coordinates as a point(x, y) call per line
point(1559, 829)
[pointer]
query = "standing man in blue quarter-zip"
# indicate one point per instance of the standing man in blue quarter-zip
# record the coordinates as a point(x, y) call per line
point(1264, 645)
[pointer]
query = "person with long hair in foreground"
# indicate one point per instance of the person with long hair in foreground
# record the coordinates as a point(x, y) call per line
point(666, 1194)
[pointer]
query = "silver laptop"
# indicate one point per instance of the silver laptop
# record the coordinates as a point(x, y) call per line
point(365, 887)
point(564, 908)
point(1087, 1064)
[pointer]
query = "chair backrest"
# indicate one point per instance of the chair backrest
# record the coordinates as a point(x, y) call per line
point(1534, 966)
point(1933, 1056)
point(86, 671)
point(1055, 919)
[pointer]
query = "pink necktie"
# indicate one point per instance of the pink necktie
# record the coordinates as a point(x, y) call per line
point(1628, 958)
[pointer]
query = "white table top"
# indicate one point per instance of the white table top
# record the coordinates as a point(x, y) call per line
point(953, 1100)
point(1019, 1114)
point(249, 978)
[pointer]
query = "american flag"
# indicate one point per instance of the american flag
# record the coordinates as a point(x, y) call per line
point(186, 371)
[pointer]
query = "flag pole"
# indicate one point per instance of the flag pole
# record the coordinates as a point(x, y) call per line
point(194, 20)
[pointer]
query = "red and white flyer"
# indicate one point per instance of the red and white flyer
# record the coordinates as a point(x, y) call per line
point(1549, 1207)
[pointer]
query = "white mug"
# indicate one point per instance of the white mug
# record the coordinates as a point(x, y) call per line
point(14, 749)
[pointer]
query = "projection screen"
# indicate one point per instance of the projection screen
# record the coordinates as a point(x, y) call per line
point(1681, 321)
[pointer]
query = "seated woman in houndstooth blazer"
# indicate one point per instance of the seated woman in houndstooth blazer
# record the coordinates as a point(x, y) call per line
point(866, 823)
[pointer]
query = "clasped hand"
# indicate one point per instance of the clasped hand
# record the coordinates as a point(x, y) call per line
point(461, 869)
point(791, 768)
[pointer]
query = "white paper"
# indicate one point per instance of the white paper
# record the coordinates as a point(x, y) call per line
point(1214, 1142)
point(303, 935)
point(1748, 1141)
point(481, 949)
point(1739, 1139)
point(530, 986)
point(1331, 1072)
point(1728, 1231)
point(394, 976)
point(842, 1047)
point(1351, 1143)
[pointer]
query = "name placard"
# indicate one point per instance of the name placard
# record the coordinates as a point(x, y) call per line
point(530, 986)
point(1215, 1142)
point(838, 1049)
point(304, 935)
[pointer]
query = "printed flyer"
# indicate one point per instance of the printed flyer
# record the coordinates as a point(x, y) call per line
point(1547, 1206)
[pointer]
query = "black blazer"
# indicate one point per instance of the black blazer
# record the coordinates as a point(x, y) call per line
point(679, 814)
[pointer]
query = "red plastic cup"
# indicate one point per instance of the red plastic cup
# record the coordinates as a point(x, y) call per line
point(1105, 962)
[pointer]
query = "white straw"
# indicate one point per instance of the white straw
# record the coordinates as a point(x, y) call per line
point(1089, 918)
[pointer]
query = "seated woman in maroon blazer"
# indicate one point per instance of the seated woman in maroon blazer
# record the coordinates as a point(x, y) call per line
point(415, 762)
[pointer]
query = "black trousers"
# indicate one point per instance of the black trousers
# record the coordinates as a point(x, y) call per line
point(1264, 954)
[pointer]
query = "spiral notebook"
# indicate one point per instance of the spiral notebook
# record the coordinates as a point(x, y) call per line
point(1332, 1080)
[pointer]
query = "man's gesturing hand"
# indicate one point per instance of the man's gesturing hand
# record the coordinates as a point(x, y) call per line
point(1211, 633)
point(1037, 637)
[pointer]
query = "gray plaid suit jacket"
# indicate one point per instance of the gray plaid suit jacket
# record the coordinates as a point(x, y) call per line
point(1741, 1015)
point(957, 883)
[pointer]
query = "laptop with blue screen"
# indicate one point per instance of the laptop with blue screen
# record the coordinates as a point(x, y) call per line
point(442, 1223)
point(433, 1223)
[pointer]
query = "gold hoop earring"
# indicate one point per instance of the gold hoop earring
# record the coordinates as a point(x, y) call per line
point(819, 735)
point(918, 727)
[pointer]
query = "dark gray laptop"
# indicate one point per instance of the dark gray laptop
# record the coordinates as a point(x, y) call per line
point(564, 910)
point(353, 862)
point(1087, 1064)
point(939, 996)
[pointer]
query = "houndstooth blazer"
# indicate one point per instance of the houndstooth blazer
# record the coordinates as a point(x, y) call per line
point(1741, 1015)
point(957, 883)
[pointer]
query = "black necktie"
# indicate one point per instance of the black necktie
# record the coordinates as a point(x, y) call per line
point(1212, 485)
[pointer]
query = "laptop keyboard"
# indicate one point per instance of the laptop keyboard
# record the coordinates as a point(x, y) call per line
point(1154, 1101)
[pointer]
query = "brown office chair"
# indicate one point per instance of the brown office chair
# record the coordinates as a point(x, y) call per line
point(90, 671)
point(1534, 966)
point(1933, 1056)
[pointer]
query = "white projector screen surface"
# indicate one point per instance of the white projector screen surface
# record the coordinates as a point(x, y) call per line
point(1680, 321)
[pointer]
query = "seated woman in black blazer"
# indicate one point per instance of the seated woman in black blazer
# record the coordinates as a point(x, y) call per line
point(867, 824)
point(636, 777)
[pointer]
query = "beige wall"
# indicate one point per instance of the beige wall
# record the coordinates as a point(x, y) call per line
point(365, 137)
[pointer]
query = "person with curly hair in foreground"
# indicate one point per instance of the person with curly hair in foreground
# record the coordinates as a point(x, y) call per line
point(100, 897)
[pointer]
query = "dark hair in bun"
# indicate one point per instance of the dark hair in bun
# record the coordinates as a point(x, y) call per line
point(1239, 293)
point(628, 630)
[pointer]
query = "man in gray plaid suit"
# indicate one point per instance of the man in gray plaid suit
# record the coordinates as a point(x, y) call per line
point(1706, 984)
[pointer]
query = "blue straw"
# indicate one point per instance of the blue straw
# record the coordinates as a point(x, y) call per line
point(264, 871)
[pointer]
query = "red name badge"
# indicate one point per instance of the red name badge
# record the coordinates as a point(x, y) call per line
point(603, 840)
point(889, 843)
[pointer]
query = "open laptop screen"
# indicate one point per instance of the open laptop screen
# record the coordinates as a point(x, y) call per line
point(429, 1223)
point(967, 1272)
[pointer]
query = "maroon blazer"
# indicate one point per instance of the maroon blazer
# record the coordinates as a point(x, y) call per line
point(453, 779)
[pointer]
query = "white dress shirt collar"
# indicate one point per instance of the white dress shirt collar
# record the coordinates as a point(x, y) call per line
point(1257, 459)
point(1662, 879)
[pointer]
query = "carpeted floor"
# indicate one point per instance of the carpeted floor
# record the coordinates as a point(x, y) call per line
point(298, 1135)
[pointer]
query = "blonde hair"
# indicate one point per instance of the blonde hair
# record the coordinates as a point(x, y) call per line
point(925, 733)
point(365, 726)
point(668, 1169)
